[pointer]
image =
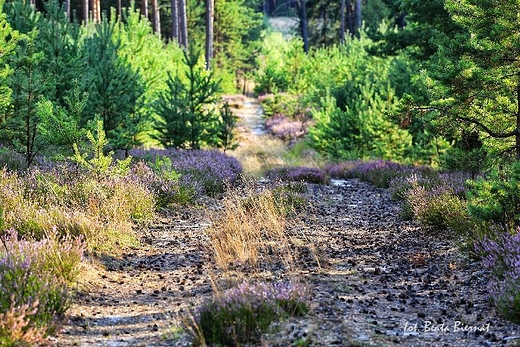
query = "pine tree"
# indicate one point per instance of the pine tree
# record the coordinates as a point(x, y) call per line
point(190, 118)
point(8, 39)
point(115, 89)
point(226, 134)
point(29, 86)
point(59, 39)
point(479, 72)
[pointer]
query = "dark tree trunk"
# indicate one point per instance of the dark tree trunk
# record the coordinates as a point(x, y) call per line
point(175, 20)
point(342, 22)
point(119, 9)
point(324, 27)
point(209, 32)
point(67, 8)
point(183, 24)
point(350, 18)
point(304, 25)
point(358, 15)
point(85, 11)
point(156, 17)
point(144, 8)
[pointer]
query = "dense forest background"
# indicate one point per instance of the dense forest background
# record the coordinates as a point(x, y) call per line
point(433, 82)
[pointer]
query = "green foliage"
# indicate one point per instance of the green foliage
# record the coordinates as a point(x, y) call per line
point(60, 125)
point(28, 83)
point(147, 53)
point(115, 88)
point(8, 39)
point(94, 160)
point(496, 198)
point(472, 79)
point(281, 65)
point(237, 35)
point(225, 134)
point(59, 42)
point(190, 118)
point(361, 130)
point(438, 208)
point(474, 161)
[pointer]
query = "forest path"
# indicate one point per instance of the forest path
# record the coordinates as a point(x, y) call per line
point(249, 113)
point(376, 280)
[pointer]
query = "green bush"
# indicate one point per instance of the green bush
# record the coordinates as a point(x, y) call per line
point(496, 198)
point(438, 207)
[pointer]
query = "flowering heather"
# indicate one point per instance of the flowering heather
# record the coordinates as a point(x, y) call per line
point(378, 172)
point(298, 174)
point(28, 280)
point(285, 129)
point(241, 314)
point(103, 210)
point(455, 182)
point(209, 169)
point(501, 256)
point(436, 203)
point(343, 170)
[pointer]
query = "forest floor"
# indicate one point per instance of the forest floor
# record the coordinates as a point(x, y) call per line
point(376, 280)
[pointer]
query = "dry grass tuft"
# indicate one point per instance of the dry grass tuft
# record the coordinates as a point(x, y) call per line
point(250, 230)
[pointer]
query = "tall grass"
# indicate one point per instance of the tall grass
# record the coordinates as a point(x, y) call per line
point(102, 210)
point(250, 228)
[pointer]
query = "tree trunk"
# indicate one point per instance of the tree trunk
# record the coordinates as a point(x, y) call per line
point(350, 19)
point(324, 27)
point(67, 8)
point(175, 20)
point(343, 22)
point(144, 8)
point(210, 12)
point(96, 11)
point(85, 11)
point(304, 25)
point(156, 17)
point(183, 24)
point(358, 15)
point(119, 9)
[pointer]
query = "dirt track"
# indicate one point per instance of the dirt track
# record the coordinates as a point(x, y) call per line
point(376, 280)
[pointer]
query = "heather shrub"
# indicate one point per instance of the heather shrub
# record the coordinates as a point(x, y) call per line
point(428, 179)
point(285, 129)
point(379, 172)
point(298, 174)
point(102, 209)
point(437, 206)
point(209, 172)
point(241, 314)
point(496, 198)
point(500, 255)
point(11, 160)
point(165, 183)
point(33, 278)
